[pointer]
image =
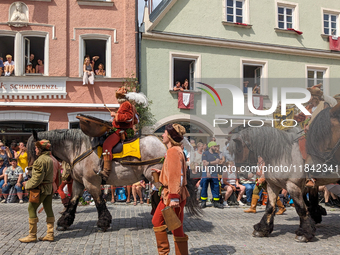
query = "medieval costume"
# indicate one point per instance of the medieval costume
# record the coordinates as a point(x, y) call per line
point(174, 192)
point(42, 179)
point(316, 105)
point(124, 119)
point(262, 184)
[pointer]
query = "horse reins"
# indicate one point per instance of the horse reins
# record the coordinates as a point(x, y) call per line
point(248, 162)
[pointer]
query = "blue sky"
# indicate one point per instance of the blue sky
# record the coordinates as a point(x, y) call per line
point(141, 4)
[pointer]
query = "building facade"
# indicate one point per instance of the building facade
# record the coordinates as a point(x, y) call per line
point(270, 43)
point(61, 33)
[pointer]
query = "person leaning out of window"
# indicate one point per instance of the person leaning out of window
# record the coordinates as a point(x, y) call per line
point(178, 86)
point(100, 70)
point(185, 85)
point(30, 69)
point(39, 68)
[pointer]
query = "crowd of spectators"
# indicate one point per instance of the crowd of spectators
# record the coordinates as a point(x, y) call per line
point(184, 86)
point(13, 170)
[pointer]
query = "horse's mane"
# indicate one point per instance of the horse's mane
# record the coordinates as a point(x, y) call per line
point(267, 142)
point(58, 137)
point(319, 134)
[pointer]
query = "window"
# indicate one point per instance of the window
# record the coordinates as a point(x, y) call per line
point(184, 67)
point(35, 47)
point(254, 72)
point(6, 47)
point(235, 11)
point(96, 45)
point(330, 24)
point(315, 77)
point(285, 17)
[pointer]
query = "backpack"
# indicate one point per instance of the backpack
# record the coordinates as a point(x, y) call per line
point(120, 192)
point(12, 196)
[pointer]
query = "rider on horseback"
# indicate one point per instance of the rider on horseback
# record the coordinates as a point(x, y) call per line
point(315, 105)
point(124, 119)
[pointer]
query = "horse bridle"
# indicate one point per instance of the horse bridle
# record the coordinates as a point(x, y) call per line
point(329, 159)
point(248, 162)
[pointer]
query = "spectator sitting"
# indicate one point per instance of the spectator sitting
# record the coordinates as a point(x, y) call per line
point(185, 85)
point(29, 69)
point(88, 72)
point(137, 190)
point(249, 183)
point(39, 67)
point(13, 176)
point(230, 183)
point(326, 196)
point(9, 66)
point(1, 66)
point(3, 169)
point(100, 70)
point(178, 86)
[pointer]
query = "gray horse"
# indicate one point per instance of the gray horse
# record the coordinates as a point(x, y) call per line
point(277, 148)
point(69, 144)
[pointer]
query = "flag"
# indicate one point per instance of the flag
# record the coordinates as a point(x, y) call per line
point(278, 118)
point(186, 100)
point(334, 43)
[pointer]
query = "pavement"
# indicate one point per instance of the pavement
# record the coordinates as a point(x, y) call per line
point(227, 231)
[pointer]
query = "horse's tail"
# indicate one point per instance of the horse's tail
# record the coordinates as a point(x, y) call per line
point(192, 204)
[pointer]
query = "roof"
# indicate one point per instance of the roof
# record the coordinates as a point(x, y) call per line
point(159, 9)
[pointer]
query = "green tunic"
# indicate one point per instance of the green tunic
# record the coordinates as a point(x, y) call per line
point(42, 173)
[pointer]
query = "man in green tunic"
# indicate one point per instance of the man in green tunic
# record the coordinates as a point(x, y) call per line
point(42, 178)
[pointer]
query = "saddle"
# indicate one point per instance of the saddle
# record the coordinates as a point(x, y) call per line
point(128, 148)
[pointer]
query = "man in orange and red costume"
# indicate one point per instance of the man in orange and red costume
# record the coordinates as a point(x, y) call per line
point(124, 119)
point(174, 192)
point(316, 104)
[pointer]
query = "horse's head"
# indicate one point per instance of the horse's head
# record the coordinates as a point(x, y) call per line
point(31, 155)
point(243, 154)
point(323, 137)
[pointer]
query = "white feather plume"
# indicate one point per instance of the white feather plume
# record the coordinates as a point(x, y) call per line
point(139, 98)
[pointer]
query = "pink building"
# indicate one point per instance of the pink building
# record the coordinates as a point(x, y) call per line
point(61, 33)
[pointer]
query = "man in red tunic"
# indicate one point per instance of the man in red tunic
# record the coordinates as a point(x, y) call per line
point(124, 119)
point(174, 192)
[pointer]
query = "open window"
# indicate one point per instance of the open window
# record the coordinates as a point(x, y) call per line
point(96, 48)
point(96, 45)
point(184, 69)
point(6, 47)
point(252, 75)
point(34, 51)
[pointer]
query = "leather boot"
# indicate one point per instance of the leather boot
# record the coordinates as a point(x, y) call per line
point(181, 245)
point(218, 205)
point(32, 236)
point(282, 208)
point(50, 231)
point(65, 202)
point(107, 166)
point(252, 208)
point(203, 204)
point(162, 240)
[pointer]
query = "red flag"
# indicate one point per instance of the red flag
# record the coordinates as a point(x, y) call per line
point(258, 102)
point(186, 100)
point(334, 44)
point(296, 31)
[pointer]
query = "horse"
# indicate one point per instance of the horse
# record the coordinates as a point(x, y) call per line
point(69, 144)
point(278, 149)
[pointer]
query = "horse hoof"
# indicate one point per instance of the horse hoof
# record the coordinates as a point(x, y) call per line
point(60, 228)
point(301, 239)
point(259, 234)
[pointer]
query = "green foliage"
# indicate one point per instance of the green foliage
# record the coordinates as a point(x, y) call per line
point(146, 118)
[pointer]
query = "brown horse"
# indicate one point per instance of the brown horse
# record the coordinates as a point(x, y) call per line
point(69, 144)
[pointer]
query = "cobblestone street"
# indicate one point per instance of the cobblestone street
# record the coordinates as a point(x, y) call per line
point(225, 231)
